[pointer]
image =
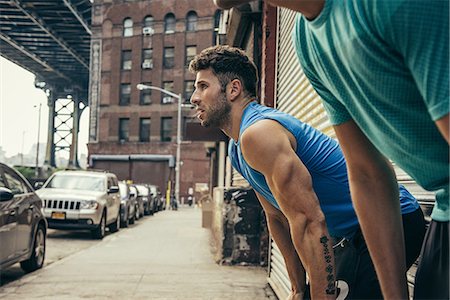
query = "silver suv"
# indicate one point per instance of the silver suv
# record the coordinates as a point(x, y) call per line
point(82, 200)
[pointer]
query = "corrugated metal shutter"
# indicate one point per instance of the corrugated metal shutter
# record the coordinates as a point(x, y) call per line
point(294, 95)
point(238, 180)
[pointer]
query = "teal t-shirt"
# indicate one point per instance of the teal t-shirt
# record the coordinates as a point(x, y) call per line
point(385, 65)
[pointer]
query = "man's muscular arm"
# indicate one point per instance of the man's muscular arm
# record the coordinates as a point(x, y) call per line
point(309, 8)
point(279, 229)
point(268, 148)
point(375, 196)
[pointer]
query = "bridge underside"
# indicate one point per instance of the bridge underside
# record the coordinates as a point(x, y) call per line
point(51, 39)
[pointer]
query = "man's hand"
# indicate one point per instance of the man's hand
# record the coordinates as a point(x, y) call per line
point(295, 296)
point(227, 4)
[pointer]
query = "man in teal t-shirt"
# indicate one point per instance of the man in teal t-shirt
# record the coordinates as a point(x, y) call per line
point(382, 69)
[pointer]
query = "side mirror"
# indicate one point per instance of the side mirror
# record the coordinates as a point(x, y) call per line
point(5, 194)
point(38, 185)
point(113, 189)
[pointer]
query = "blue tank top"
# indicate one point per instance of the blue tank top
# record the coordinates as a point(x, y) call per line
point(325, 162)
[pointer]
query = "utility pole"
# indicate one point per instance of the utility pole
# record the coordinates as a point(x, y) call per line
point(36, 171)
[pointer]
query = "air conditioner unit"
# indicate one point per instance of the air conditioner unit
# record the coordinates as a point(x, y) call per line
point(167, 99)
point(147, 65)
point(147, 31)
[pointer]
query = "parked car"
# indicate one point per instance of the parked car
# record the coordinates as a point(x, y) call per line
point(23, 228)
point(156, 194)
point(82, 200)
point(146, 197)
point(127, 205)
point(134, 196)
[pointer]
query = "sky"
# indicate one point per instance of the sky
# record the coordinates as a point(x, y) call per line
point(19, 112)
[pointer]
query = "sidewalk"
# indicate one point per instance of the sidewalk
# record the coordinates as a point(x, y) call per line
point(165, 256)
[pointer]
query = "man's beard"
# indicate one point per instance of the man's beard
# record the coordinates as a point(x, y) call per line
point(219, 114)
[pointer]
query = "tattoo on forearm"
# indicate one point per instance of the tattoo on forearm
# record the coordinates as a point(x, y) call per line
point(331, 289)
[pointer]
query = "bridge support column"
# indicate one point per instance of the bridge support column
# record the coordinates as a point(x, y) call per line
point(50, 149)
point(73, 154)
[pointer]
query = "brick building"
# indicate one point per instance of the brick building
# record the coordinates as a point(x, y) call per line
point(133, 133)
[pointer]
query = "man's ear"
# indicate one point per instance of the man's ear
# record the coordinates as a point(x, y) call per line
point(234, 89)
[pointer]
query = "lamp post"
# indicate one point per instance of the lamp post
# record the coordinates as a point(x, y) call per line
point(180, 105)
point(36, 171)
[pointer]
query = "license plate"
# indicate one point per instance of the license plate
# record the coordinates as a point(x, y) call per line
point(59, 215)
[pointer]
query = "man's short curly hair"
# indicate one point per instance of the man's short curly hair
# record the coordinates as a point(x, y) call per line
point(227, 63)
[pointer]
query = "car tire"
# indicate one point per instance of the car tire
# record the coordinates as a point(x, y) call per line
point(125, 223)
point(99, 232)
point(114, 227)
point(137, 213)
point(36, 261)
point(132, 219)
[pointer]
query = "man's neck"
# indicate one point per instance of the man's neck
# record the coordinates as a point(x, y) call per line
point(232, 128)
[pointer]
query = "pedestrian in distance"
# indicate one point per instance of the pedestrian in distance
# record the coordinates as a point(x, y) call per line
point(382, 70)
point(300, 177)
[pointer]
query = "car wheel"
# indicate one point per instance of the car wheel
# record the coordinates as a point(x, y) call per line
point(114, 227)
point(36, 261)
point(125, 223)
point(137, 213)
point(99, 232)
point(133, 217)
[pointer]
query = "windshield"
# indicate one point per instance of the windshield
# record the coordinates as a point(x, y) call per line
point(142, 190)
point(74, 182)
point(123, 188)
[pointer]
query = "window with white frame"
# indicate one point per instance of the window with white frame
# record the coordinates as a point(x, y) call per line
point(169, 23)
point(191, 21)
point(126, 60)
point(127, 27)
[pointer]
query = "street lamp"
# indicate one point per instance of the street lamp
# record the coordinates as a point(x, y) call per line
point(180, 105)
point(36, 171)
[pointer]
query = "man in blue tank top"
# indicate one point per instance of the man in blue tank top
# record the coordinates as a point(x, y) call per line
point(300, 178)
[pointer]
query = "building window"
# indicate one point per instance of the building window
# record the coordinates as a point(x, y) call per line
point(147, 59)
point(191, 21)
point(126, 60)
point(169, 57)
point(127, 27)
point(166, 99)
point(188, 90)
point(144, 129)
point(191, 51)
point(125, 91)
point(124, 129)
point(148, 26)
point(169, 23)
point(148, 22)
point(146, 95)
point(166, 129)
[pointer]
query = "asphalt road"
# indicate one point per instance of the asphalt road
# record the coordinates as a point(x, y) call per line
point(60, 244)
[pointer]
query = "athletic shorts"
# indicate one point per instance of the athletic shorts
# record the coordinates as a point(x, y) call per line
point(355, 273)
point(432, 280)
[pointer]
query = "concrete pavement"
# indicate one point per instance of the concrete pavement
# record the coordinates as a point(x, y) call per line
point(165, 256)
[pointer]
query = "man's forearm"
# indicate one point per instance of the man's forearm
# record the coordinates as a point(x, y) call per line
point(279, 229)
point(376, 201)
point(314, 246)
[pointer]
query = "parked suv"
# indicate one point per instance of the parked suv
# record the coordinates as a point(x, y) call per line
point(82, 200)
point(23, 229)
